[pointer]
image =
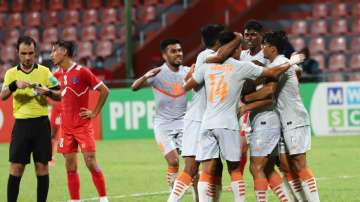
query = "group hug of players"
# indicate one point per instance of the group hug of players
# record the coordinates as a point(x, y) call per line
point(242, 99)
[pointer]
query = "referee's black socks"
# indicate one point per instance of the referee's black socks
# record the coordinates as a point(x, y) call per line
point(13, 188)
point(42, 188)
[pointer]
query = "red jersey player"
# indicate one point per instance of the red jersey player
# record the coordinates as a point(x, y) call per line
point(76, 129)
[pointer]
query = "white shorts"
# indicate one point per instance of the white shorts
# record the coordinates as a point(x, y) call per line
point(298, 140)
point(216, 142)
point(190, 138)
point(263, 142)
point(168, 140)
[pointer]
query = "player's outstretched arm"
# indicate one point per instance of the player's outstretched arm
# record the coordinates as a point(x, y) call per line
point(225, 51)
point(267, 91)
point(254, 105)
point(87, 113)
point(278, 70)
point(190, 84)
point(142, 81)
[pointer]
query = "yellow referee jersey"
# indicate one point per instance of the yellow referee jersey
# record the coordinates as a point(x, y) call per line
point(26, 103)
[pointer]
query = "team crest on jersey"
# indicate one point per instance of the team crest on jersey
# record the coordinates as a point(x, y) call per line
point(75, 80)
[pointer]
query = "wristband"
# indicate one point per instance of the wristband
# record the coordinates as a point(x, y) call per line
point(13, 86)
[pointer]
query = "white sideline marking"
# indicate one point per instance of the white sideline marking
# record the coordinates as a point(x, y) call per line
point(144, 194)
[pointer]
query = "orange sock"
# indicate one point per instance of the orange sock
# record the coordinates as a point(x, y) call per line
point(309, 185)
point(181, 184)
point(278, 187)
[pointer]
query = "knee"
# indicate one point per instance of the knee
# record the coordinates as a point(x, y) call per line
point(71, 164)
point(41, 169)
point(298, 164)
point(192, 169)
point(17, 169)
point(90, 162)
point(256, 168)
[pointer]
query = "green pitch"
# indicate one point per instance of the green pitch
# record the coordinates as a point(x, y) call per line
point(135, 171)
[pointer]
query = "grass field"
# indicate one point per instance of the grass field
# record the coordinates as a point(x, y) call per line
point(135, 171)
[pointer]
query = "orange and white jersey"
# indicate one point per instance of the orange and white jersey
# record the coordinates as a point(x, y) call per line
point(223, 84)
point(170, 97)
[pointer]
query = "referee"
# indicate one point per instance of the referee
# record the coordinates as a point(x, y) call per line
point(29, 84)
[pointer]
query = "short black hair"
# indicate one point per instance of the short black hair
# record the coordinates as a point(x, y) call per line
point(254, 25)
point(26, 40)
point(210, 33)
point(226, 36)
point(68, 45)
point(277, 39)
point(164, 43)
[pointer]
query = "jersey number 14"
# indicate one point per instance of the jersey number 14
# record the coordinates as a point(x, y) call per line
point(219, 87)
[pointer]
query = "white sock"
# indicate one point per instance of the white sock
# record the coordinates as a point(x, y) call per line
point(238, 189)
point(310, 190)
point(104, 199)
point(171, 177)
point(206, 191)
point(74, 200)
point(178, 191)
point(261, 196)
point(297, 190)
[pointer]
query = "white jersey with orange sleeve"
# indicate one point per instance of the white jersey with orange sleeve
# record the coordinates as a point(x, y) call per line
point(223, 84)
point(289, 104)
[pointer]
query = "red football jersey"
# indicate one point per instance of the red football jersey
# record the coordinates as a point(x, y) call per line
point(76, 82)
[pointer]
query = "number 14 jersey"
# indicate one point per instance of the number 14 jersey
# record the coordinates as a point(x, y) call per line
point(223, 84)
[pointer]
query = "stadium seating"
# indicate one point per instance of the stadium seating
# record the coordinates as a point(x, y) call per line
point(320, 10)
point(56, 5)
point(33, 19)
point(69, 33)
point(85, 49)
point(33, 33)
point(337, 62)
point(355, 62)
point(338, 44)
point(339, 9)
point(109, 16)
point(12, 35)
point(88, 33)
point(8, 53)
point(298, 43)
point(50, 35)
point(15, 20)
point(317, 45)
point(18, 5)
point(319, 27)
point(108, 32)
point(355, 44)
point(74, 4)
point(104, 49)
point(71, 17)
point(52, 19)
point(37, 5)
point(90, 16)
point(339, 26)
point(299, 27)
point(321, 60)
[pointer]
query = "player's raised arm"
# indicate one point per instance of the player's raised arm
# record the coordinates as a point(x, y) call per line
point(278, 70)
point(143, 81)
point(226, 50)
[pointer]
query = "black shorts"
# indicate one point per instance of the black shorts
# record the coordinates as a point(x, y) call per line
point(31, 136)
